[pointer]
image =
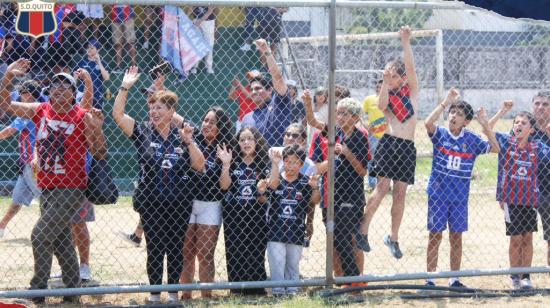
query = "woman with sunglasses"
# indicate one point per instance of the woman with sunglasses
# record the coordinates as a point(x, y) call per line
point(166, 156)
point(244, 210)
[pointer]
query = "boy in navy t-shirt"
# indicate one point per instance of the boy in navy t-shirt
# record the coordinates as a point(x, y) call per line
point(455, 150)
point(93, 64)
point(291, 202)
point(520, 160)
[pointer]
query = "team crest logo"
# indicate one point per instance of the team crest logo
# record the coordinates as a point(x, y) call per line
point(36, 18)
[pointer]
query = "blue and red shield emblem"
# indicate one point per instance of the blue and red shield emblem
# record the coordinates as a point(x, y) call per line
point(36, 18)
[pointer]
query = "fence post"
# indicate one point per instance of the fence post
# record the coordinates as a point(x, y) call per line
point(331, 135)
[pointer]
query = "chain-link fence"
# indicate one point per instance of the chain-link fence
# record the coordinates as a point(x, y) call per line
point(232, 200)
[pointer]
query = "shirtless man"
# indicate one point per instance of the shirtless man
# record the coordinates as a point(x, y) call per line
point(395, 156)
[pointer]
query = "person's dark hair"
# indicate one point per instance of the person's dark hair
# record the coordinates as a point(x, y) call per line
point(262, 80)
point(224, 125)
point(398, 66)
point(341, 92)
point(542, 93)
point(529, 116)
point(465, 107)
point(296, 150)
point(262, 157)
point(300, 127)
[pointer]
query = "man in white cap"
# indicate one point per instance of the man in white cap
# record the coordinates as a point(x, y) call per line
point(65, 132)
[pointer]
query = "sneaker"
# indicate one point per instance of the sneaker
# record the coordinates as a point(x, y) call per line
point(153, 299)
point(516, 282)
point(246, 47)
point(457, 284)
point(193, 71)
point(210, 71)
point(429, 283)
point(145, 45)
point(85, 273)
point(173, 298)
point(393, 246)
point(427, 290)
point(526, 284)
point(362, 241)
point(130, 238)
point(2, 232)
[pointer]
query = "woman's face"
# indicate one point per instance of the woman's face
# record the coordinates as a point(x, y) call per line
point(247, 143)
point(159, 113)
point(293, 136)
point(344, 118)
point(209, 126)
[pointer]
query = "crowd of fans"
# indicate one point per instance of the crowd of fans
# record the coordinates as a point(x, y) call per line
point(263, 182)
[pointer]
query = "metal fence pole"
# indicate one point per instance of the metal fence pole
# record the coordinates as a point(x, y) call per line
point(331, 137)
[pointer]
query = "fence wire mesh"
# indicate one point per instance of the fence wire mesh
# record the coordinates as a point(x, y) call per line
point(217, 155)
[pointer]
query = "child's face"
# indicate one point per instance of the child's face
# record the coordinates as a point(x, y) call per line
point(396, 80)
point(522, 128)
point(91, 50)
point(292, 165)
point(247, 143)
point(344, 118)
point(457, 119)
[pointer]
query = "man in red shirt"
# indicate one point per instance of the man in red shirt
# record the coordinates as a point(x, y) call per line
point(65, 132)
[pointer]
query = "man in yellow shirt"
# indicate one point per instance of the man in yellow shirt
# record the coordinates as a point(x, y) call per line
point(377, 123)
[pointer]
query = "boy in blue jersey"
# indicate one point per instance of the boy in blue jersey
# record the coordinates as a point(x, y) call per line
point(521, 160)
point(454, 152)
point(93, 64)
point(291, 202)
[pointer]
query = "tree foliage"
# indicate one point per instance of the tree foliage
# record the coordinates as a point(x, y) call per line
point(386, 20)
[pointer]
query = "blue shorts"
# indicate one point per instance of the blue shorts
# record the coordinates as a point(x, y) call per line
point(25, 188)
point(86, 213)
point(442, 213)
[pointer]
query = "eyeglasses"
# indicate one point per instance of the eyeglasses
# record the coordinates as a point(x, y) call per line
point(293, 135)
point(58, 84)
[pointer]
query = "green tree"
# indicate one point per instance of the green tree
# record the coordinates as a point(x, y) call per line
point(386, 20)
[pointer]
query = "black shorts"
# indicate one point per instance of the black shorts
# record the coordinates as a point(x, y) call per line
point(355, 215)
point(520, 219)
point(395, 158)
point(544, 212)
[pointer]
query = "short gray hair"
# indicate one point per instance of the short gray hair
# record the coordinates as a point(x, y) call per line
point(352, 106)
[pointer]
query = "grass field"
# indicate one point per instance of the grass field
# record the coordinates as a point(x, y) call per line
point(113, 261)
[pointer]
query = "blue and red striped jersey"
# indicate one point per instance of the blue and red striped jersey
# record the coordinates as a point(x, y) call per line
point(400, 103)
point(518, 170)
point(121, 13)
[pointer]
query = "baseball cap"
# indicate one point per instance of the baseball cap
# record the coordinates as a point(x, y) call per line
point(32, 87)
point(94, 43)
point(65, 77)
point(253, 73)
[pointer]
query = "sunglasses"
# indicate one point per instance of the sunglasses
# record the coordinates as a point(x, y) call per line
point(293, 135)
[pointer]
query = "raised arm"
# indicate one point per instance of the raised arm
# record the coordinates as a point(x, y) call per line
point(274, 178)
point(452, 96)
point(405, 35)
point(22, 110)
point(197, 158)
point(310, 117)
point(94, 134)
point(235, 86)
point(482, 119)
point(226, 157)
point(279, 84)
point(124, 121)
point(7, 132)
point(383, 98)
point(88, 97)
point(506, 106)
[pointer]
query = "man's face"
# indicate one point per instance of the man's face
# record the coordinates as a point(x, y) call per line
point(541, 109)
point(260, 95)
point(61, 90)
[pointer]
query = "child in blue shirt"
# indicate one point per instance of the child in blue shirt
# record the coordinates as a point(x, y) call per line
point(455, 150)
point(293, 199)
point(93, 64)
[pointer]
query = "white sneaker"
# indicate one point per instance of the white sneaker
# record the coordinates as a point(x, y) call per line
point(173, 298)
point(153, 299)
point(2, 232)
point(193, 71)
point(85, 273)
point(210, 71)
point(516, 282)
point(246, 47)
point(145, 45)
point(526, 283)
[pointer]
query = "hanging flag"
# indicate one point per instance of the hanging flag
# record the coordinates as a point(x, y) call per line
point(534, 9)
point(35, 18)
point(183, 44)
